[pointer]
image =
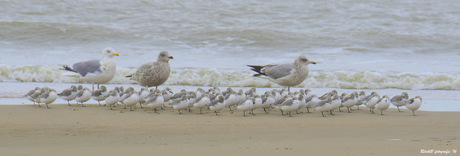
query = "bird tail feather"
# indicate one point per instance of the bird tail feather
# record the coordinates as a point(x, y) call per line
point(257, 69)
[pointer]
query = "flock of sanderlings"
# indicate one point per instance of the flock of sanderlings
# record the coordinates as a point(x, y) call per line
point(216, 100)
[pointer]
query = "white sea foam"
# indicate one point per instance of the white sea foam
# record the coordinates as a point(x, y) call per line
point(235, 78)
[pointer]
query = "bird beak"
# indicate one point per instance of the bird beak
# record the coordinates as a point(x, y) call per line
point(170, 57)
point(313, 62)
point(116, 54)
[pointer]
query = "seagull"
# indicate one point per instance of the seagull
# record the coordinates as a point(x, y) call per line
point(289, 74)
point(69, 94)
point(414, 104)
point(112, 98)
point(400, 100)
point(153, 73)
point(100, 94)
point(96, 71)
point(83, 95)
point(48, 97)
point(383, 104)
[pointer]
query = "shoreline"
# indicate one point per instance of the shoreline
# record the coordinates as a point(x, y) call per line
point(95, 130)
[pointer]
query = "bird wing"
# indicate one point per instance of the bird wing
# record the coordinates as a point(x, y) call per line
point(287, 102)
point(91, 66)
point(278, 71)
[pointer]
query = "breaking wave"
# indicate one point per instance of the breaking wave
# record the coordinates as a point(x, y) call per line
point(234, 78)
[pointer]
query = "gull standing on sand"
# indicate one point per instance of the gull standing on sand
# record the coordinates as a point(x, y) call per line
point(400, 100)
point(153, 73)
point(288, 74)
point(96, 71)
point(414, 104)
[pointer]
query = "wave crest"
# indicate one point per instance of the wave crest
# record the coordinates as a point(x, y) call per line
point(216, 77)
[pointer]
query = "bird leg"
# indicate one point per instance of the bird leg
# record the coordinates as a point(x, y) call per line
point(348, 108)
point(398, 108)
point(322, 114)
point(330, 112)
point(413, 112)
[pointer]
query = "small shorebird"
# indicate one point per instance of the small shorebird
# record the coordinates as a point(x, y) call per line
point(383, 104)
point(100, 94)
point(48, 97)
point(217, 104)
point(112, 98)
point(246, 105)
point(69, 94)
point(414, 104)
point(83, 95)
point(400, 100)
point(155, 100)
point(371, 100)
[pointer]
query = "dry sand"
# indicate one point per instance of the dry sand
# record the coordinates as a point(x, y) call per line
point(94, 130)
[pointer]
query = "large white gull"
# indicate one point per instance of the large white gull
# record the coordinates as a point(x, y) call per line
point(288, 74)
point(96, 71)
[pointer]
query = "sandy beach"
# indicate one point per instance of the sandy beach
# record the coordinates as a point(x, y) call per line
point(94, 130)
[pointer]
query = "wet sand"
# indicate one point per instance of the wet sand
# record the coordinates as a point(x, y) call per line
point(94, 130)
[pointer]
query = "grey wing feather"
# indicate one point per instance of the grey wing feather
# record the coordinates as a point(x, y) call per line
point(287, 102)
point(65, 92)
point(396, 98)
point(278, 71)
point(86, 67)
